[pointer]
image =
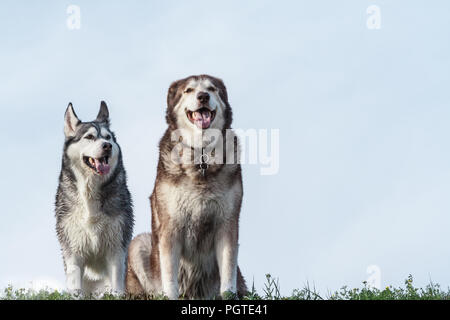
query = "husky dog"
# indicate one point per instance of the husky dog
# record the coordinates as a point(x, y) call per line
point(94, 215)
point(193, 248)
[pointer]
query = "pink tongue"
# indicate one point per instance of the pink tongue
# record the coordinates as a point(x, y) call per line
point(202, 119)
point(102, 168)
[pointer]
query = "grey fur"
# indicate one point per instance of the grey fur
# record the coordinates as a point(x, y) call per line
point(115, 205)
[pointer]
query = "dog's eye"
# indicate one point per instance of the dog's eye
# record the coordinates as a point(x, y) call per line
point(90, 137)
point(108, 137)
point(188, 90)
point(211, 89)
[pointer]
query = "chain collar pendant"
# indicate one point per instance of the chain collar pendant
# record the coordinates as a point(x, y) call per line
point(203, 162)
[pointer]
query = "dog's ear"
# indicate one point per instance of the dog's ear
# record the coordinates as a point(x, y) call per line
point(223, 94)
point(173, 96)
point(218, 83)
point(103, 114)
point(71, 121)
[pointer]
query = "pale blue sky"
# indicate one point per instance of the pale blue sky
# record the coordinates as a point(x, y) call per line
point(363, 117)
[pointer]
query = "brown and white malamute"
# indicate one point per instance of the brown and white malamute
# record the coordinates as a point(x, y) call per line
point(192, 250)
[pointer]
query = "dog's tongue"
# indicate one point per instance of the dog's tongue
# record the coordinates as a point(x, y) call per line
point(202, 119)
point(102, 168)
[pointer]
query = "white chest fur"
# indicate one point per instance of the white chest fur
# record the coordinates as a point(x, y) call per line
point(196, 211)
point(188, 200)
point(91, 232)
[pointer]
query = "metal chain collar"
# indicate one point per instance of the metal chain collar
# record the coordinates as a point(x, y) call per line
point(204, 158)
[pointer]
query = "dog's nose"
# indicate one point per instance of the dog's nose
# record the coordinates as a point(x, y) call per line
point(203, 97)
point(107, 146)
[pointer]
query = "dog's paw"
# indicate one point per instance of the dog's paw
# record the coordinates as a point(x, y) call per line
point(229, 295)
point(113, 294)
point(76, 293)
point(171, 295)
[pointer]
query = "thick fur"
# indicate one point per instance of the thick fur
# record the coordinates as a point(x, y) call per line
point(193, 247)
point(94, 216)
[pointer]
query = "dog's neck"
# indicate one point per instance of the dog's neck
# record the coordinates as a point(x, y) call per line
point(179, 158)
point(89, 196)
point(88, 186)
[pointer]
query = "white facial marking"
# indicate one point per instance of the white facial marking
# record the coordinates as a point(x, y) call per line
point(190, 102)
point(189, 99)
point(91, 145)
point(105, 134)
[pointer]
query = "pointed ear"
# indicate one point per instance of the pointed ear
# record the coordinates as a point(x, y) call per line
point(103, 114)
point(71, 121)
point(173, 96)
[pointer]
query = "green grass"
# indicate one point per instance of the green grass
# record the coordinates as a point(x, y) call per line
point(271, 291)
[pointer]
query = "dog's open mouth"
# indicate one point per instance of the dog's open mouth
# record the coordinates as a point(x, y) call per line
point(202, 118)
point(99, 166)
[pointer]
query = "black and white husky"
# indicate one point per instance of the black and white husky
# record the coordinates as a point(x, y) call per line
point(94, 216)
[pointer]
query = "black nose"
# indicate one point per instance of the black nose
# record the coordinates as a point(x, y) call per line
point(203, 97)
point(107, 146)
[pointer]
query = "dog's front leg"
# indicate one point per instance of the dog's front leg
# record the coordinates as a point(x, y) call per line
point(226, 253)
point(170, 252)
point(116, 272)
point(74, 273)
